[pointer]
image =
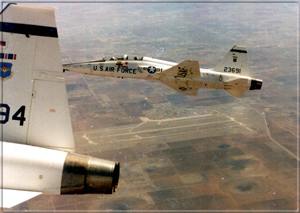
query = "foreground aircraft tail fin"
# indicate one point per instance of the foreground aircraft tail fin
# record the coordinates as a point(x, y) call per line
point(236, 61)
point(179, 77)
point(35, 113)
point(34, 99)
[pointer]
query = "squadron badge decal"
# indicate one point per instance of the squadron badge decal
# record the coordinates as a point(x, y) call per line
point(5, 70)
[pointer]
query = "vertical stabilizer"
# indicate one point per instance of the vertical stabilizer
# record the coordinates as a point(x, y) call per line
point(34, 99)
point(236, 61)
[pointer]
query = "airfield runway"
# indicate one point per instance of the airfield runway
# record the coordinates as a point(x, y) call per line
point(203, 162)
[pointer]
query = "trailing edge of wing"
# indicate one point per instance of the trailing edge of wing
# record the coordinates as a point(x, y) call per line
point(186, 87)
point(14, 197)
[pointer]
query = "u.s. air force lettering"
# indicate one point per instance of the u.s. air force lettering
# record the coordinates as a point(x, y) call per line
point(114, 69)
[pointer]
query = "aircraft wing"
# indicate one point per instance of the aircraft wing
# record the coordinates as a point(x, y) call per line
point(185, 69)
point(14, 197)
point(180, 77)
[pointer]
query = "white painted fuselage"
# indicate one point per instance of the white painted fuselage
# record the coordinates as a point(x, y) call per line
point(148, 68)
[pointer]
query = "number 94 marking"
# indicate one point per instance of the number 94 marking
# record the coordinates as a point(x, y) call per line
point(232, 70)
point(19, 115)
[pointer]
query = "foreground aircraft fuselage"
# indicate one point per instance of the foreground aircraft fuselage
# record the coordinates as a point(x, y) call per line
point(185, 77)
point(37, 145)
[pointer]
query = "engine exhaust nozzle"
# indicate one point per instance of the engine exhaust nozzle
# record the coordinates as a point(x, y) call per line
point(87, 175)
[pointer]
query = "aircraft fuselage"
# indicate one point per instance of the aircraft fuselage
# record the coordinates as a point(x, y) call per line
point(155, 69)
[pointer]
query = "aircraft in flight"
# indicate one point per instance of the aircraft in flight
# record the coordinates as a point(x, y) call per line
point(37, 145)
point(232, 74)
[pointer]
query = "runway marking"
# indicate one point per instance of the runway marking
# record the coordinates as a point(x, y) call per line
point(114, 135)
point(89, 141)
point(179, 133)
point(240, 123)
point(177, 119)
point(164, 129)
point(145, 119)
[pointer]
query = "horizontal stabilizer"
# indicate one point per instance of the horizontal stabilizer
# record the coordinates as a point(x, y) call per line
point(186, 69)
point(236, 87)
point(235, 93)
point(186, 87)
point(15, 197)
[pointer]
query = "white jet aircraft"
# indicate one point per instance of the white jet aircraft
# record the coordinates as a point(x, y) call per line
point(37, 146)
point(184, 77)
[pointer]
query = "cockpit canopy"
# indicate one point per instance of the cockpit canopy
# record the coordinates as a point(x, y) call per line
point(124, 57)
